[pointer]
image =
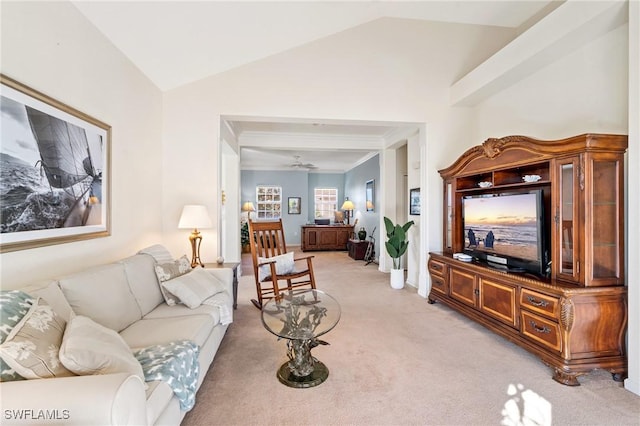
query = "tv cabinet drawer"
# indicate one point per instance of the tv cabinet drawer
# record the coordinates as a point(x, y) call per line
point(541, 330)
point(439, 284)
point(437, 268)
point(539, 303)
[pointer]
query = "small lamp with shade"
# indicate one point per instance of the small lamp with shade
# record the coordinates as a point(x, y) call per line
point(195, 217)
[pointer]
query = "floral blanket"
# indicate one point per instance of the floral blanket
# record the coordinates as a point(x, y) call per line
point(175, 363)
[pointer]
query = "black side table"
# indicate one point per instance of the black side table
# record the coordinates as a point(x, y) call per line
point(234, 267)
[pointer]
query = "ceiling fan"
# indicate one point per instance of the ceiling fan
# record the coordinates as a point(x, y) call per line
point(298, 164)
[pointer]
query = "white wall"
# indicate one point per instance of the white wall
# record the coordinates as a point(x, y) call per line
point(50, 47)
point(583, 92)
point(386, 70)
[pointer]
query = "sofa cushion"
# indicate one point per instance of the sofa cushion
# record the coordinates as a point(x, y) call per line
point(158, 252)
point(194, 287)
point(143, 281)
point(102, 293)
point(51, 293)
point(90, 348)
point(165, 311)
point(168, 271)
point(31, 348)
point(149, 332)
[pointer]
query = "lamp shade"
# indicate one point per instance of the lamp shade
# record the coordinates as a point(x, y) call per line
point(248, 207)
point(194, 216)
point(348, 205)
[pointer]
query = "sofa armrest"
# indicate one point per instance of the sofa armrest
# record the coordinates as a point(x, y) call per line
point(225, 275)
point(90, 400)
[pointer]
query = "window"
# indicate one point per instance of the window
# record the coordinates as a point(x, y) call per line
point(325, 201)
point(269, 202)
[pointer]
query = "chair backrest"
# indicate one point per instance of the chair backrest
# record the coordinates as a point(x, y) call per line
point(266, 240)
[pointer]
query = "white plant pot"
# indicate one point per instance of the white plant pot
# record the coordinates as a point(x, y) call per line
point(397, 279)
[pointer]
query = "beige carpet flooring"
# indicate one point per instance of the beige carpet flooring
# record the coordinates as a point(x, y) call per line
point(395, 360)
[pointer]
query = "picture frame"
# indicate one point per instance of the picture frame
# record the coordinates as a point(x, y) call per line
point(414, 201)
point(56, 164)
point(370, 192)
point(294, 205)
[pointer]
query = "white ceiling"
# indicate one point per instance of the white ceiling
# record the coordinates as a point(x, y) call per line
point(328, 146)
point(178, 42)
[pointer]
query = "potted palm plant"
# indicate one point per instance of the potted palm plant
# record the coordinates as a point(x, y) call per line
point(396, 246)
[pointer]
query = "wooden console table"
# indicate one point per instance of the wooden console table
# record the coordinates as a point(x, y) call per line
point(325, 237)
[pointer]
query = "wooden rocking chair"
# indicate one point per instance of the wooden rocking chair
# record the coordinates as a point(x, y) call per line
point(273, 264)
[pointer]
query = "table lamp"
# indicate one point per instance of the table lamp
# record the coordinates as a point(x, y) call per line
point(195, 216)
point(248, 207)
point(348, 207)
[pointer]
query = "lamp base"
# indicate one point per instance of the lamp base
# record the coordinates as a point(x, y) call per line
point(195, 238)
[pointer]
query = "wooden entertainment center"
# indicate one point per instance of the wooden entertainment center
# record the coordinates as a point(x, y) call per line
point(574, 316)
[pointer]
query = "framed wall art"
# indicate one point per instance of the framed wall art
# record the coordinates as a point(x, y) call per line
point(370, 191)
point(55, 175)
point(414, 201)
point(294, 205)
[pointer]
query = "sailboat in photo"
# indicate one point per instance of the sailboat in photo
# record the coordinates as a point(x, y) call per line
point(65, 160)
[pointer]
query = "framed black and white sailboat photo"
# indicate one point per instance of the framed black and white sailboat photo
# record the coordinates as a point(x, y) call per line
point(54, 171)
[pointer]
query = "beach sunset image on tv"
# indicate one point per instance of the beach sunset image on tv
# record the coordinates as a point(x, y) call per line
point(502, 225)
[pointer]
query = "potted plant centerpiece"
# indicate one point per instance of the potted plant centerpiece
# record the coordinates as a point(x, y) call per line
point(396, 246)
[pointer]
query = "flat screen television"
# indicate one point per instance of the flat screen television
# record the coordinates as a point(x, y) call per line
point(507, 230)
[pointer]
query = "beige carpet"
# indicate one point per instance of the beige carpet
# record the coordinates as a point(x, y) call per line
point(393, 360)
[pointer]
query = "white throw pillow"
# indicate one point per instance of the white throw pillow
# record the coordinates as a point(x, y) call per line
point(90, 348)
point(284, 265)
point(193, 288)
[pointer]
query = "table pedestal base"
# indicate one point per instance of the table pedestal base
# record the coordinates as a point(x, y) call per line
point(318, 375)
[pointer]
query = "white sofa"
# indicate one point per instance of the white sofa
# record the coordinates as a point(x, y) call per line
point(124, 296)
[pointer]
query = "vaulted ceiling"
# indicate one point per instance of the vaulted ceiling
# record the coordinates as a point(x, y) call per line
point(178, 42)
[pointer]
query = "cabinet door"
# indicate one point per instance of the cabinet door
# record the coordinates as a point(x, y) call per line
point(568, 181)
point(463, 286)
point(604, 224)
point(448, 216)
point(498, 300)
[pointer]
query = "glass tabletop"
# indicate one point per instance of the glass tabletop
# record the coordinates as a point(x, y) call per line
point(301, 314)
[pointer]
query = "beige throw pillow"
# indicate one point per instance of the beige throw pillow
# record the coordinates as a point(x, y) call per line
point(31, 348)
point(168, 271)
point(193, 288)
point(90, 348)
point(284, 265)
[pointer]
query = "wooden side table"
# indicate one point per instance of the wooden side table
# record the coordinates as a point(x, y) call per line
point(357, 249)
point(234, 267)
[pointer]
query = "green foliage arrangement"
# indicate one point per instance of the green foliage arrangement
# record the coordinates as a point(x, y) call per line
point(244, 234)
point(396, 243)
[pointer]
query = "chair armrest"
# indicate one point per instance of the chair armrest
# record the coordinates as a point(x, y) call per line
point(90, 400)
point(309, 256)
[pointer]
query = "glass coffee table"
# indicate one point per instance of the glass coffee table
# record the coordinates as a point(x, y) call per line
point(301, 316)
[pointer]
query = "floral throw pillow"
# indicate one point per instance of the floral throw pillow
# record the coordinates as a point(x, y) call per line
point(32, 347)
point(168, 271)
point(14, 305)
